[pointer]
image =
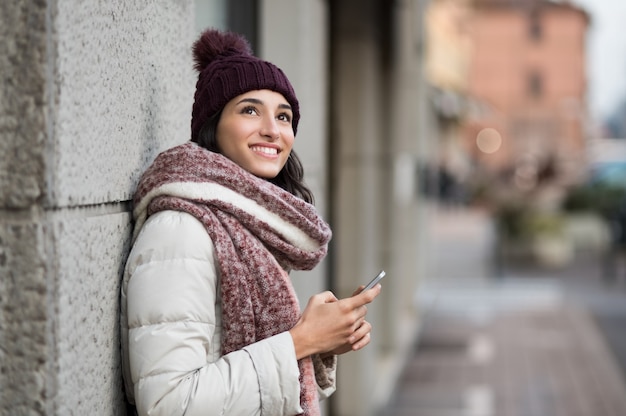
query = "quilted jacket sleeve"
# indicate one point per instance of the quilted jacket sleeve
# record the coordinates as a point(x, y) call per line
point(171, 333)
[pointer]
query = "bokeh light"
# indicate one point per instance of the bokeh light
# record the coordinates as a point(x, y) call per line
point(488, 140)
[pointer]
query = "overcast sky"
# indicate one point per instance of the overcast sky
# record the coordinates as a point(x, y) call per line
point(606, 52)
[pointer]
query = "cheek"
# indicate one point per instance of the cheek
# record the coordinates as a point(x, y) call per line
point(227, 136)
point(289, 141)
point(289, 147)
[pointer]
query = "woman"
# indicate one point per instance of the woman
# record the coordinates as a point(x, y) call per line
point(210, 321)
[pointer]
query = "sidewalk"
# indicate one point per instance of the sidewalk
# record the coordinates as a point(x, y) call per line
point(518, 346)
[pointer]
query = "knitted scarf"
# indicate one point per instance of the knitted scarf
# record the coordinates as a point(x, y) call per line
point(258, 230)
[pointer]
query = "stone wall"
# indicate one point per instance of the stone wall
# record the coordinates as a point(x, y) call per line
point(90, 93)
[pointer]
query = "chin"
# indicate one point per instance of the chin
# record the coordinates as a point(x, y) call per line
point(267, 176)
point(265, 173)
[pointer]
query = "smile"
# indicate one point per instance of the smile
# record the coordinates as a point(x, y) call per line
point(265, 150)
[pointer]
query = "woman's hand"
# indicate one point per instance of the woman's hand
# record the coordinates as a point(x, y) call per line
point(329, 325)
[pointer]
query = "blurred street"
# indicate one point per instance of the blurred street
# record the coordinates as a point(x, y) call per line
point(531, 342)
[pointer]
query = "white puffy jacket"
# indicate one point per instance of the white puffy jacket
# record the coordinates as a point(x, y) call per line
point(171, 333)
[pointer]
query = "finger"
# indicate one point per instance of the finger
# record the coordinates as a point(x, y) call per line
point(356, 317)
point(364, 328)
point(358, 290)
point(361, 330)
point(361, 311)
point(354, 330)
point(372, 292)
point(364, 297)
point(362, 342)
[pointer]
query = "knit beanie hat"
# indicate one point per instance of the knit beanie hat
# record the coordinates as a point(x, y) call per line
point(227, 69)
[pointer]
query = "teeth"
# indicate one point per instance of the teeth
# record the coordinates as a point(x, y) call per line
point(265, 150)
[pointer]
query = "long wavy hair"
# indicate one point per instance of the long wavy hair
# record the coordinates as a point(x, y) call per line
point(291, 176)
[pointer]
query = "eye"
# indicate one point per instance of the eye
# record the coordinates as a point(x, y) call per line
point(284, 117)
point(250, 110)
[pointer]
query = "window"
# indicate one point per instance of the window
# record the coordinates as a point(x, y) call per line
point(535, 84)
point(535, 30)
point(236, 15)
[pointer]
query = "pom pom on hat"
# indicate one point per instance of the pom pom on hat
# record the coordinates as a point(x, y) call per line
point(213, 44)
point(227, 68)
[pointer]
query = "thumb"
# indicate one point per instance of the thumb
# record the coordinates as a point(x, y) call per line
point(358, 290)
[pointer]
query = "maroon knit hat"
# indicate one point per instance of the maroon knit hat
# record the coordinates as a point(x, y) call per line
point(227, 69)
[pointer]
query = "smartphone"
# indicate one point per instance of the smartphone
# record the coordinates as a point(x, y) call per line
point(375, 280)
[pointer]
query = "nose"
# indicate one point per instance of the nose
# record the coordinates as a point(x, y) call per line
point(269, 128)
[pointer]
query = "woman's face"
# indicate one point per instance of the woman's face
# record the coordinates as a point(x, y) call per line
point(255, 132)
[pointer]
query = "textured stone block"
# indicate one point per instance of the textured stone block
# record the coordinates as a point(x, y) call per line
point(91, 252)
point(23, 314)
point(22, 103)
point(123, 90)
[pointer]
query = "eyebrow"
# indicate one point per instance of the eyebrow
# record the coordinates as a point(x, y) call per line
point(260, 102)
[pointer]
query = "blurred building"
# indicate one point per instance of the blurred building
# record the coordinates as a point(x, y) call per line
point(615, 125)
point(528, 85)
point(447, 57)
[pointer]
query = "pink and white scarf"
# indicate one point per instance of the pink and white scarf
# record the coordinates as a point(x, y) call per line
point(259, 230)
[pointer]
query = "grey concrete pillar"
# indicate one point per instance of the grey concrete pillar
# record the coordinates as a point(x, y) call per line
point(90, 93)
point(294, 36)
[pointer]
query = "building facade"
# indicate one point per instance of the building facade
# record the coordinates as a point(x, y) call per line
point(529, 88)
point(447, 62)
